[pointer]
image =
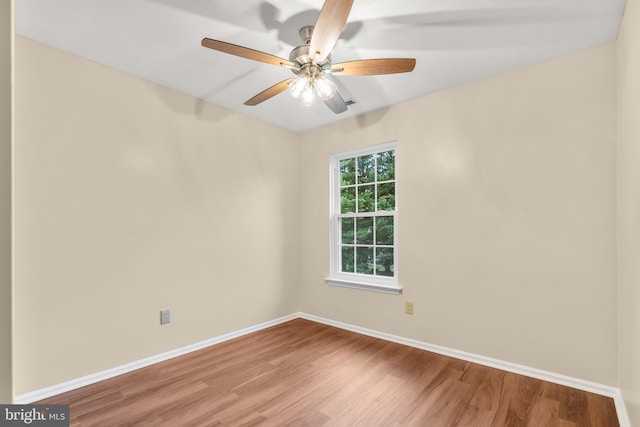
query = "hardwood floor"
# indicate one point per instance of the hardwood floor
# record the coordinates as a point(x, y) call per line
point(305, 373)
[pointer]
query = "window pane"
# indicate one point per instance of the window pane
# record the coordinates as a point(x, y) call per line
point(366, 169)
point(366, 198)
point(363, 220)
point(364, 231)
point(384, 230)
point(347, 172)
point(347, 231)
point(387, 196)
point(348, 200)
point(384, 261)
point(364, 260)
point(386, 166)
point(347, 259)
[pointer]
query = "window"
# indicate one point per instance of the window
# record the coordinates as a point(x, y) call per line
point(364, 219)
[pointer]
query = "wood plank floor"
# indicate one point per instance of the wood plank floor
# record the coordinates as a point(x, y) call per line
point(305, 373)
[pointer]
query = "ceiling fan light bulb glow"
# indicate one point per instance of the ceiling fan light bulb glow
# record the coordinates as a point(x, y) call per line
point(308, 94)
point(325, 87)
point(298, 86)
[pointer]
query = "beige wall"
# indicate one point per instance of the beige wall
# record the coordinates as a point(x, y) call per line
point(131, 198)
point(507, 221)
point(629, 207)
point(6, 42)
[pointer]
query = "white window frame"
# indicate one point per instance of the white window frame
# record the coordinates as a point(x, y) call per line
point(356, 280)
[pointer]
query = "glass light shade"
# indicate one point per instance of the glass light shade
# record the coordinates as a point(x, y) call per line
point(308, 94)
point(306, 87)
point(298, 86)
point(325, 87)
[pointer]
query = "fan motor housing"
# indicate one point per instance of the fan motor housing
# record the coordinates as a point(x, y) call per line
point(300, 57)
point(300, 54)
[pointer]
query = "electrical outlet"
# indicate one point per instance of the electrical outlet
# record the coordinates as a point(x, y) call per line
point(165, 317)
point(408, 307)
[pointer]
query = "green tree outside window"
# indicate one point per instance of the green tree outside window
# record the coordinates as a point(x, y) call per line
point(367, 208)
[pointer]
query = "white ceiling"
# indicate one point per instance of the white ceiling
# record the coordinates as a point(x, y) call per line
point(453, 41)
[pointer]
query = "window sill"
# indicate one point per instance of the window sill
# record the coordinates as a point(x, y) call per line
point(354, 284)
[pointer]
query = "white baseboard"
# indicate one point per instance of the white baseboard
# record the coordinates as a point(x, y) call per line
point(482, 360)
point(552, 377)
point(56, 389)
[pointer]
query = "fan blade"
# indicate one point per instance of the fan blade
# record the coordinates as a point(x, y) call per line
point(331, 21)
point(269, 93)
point(245, 52)
point(370, 67)
point(336, 103)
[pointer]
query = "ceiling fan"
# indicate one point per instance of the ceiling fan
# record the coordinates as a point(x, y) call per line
point(311, 62)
